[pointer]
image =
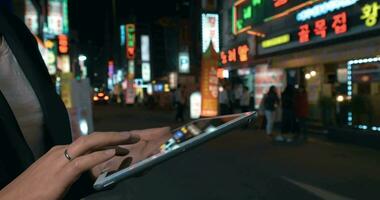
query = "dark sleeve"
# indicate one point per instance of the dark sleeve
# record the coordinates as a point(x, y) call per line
point(81, 188)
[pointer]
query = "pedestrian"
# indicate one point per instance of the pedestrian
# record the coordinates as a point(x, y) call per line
point(237, 92)
point(288, 123)
point(223, 101)
point(180, 103)
point(33, 119)
point(244, 100)
point(301, 111)
point(271, 102)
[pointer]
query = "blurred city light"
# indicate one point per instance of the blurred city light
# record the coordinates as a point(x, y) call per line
point(340, 98)
point(83, 127)
point(82, 58)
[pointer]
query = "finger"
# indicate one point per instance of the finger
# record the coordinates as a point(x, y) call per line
point(95, 141)
point(88, 161)
point(126, 163)
point(153, 132)
point(120, 151)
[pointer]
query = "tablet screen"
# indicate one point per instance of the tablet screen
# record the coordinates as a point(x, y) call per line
point(195, 129)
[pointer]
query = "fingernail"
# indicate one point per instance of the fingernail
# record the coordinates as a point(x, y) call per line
point(134, 138)
point(110, 152)
point(121, 151)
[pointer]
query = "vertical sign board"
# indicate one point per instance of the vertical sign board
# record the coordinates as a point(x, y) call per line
point(184, 62)
point(131, 41)
point(145, 57)
point(146, 74)
point(51, 57)
point(209, 83)
point(31, 17)
point(210, 31)
point(55, 17)
point(122, 35)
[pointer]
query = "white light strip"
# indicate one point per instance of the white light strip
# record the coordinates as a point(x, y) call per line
point(350, 87)
point(323, 8)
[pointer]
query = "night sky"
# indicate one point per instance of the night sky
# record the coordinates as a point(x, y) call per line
point(88, 17)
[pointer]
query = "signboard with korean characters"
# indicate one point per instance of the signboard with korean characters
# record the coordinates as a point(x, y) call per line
point(289, 24)
point(209, 83)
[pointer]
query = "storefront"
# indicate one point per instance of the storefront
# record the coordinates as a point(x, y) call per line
point(328, 46)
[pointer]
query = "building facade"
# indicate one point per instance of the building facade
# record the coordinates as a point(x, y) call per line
point(330, 47)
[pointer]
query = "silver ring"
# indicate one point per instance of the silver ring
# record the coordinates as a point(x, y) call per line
point(67, 155)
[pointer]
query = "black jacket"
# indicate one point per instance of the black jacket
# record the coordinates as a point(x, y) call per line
point(15, 154)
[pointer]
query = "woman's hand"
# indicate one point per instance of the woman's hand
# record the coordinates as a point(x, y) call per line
point(53, 174)
point(149, 144)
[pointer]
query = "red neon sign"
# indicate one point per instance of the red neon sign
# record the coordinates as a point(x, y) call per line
point(320, 28)
point(304, 33)
point(232, 55)
point(243, 53)
point(340, 23)
point(63, 44)
point(223, 57)
point(235, 54)
point(279, 3)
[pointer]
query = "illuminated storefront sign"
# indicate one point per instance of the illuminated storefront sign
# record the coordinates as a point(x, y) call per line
point(184, 62)
point(173, 80)
point(64, 63)
point(63, 44)
point(145, 48)
point(276, 41)
point(238, 54)
point(195, 105)
point(363, 72)
point(370, 13)
point(210, 31)
point(111, 69)
point(131, 41)
point(323, 8)
point(279, 3)
point(209, 83)
point(51, 56)
point(131, 69)
point(55, 17)
point(31, 17)
point(146, 72)
point(265, 77)
point(122, 35)
point(335, 20)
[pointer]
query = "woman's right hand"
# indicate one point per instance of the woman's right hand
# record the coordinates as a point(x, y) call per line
point(53, 174)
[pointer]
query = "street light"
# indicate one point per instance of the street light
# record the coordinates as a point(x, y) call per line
point(82, 58)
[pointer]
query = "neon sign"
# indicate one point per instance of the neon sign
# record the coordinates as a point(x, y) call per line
point(279, 40)
point(235, 54)
point(339, 25)
point(122, 35)
point(370, 14)
point(210, 31)
point(323, 8)
point(279, 3)
point(63, 44)
point(131, 41)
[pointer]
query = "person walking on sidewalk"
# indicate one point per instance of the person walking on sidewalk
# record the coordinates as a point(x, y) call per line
point(244, 101)
point(271, 102)
point(301, 111)
point(288, 124)
point(180, 103)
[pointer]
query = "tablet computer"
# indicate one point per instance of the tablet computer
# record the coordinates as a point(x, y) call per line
point(184, 138)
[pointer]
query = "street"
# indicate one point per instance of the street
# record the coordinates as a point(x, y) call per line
point(244, 164)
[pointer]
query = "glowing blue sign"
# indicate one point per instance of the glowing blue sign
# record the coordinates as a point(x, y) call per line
point(122, 35)
point(323, 8)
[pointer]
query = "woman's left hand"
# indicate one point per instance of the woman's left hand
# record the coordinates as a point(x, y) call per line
point(148, 145)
